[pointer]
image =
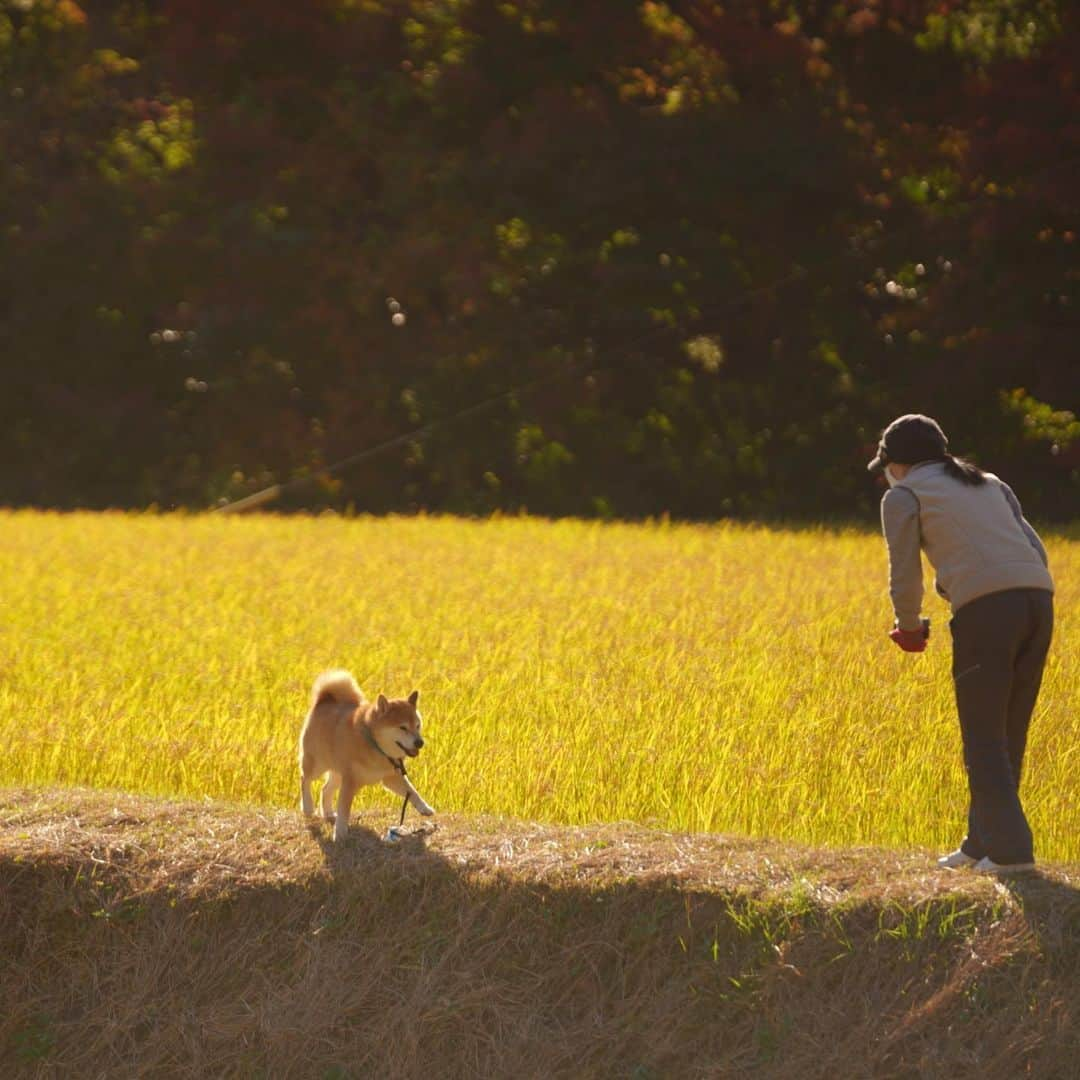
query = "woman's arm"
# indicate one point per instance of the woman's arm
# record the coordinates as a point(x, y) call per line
point(900, 524)
point(1029, 532)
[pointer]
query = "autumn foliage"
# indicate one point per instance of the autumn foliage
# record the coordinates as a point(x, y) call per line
point(693, 256)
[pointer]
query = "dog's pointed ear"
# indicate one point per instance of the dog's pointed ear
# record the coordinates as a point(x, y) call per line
point(382, 704)
point(414, 697)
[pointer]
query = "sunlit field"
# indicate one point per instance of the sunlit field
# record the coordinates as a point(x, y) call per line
point(718, 678)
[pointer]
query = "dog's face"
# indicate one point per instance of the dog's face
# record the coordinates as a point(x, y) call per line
point(396, 725)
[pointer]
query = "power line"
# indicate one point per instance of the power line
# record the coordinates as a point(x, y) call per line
point(419, 434)
point(275, 491)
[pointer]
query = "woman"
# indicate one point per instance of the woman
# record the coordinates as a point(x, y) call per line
point(991, 566)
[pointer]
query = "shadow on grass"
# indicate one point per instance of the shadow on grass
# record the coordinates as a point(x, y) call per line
point(400, 961)
point(363, 844)
point(1052, 911)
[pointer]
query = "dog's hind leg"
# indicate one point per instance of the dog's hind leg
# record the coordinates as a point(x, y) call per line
point(344, 805)
point(330, 789)
point(306, 802)
point(400, 785)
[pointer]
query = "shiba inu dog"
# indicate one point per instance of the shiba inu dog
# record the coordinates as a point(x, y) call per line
point(353, 742)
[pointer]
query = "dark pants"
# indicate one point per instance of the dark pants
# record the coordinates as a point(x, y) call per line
point(1000, 643)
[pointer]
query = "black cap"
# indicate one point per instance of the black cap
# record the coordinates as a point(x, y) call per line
point(908, 440)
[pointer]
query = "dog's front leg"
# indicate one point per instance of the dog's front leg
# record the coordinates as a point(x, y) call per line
point(344, 805)
point(400, 785)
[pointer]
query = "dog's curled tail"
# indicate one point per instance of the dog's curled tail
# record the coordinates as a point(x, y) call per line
point(337, 686)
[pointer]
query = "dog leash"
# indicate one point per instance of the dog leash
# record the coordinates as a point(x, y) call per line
point(397, 764)
point(400, 766)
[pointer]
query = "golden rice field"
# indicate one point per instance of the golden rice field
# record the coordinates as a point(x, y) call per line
point(721, 678)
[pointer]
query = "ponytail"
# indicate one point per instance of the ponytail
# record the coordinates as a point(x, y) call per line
point(964, 471)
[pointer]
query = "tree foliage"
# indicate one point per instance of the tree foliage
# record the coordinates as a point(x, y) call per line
point(695, 255)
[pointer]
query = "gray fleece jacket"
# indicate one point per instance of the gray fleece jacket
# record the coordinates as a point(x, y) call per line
point(975, 537)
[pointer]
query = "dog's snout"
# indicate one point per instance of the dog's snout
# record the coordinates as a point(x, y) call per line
point(419, 742)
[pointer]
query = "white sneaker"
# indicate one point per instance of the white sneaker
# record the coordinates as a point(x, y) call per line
point(988, 866)
point(956, 860)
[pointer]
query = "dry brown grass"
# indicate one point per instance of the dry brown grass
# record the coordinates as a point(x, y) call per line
point(151, 938)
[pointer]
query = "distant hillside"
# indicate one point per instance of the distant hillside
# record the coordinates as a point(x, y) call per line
point(686, 257)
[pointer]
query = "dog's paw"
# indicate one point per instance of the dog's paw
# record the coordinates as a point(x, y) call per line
point(428, 811)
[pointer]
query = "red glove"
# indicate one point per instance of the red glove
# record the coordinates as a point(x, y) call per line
point(912, 640)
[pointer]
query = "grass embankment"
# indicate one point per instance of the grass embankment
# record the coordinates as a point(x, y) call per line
point(167, 939)
point(714, 678)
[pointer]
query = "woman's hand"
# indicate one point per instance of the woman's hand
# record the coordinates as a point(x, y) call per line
point(912, 640)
